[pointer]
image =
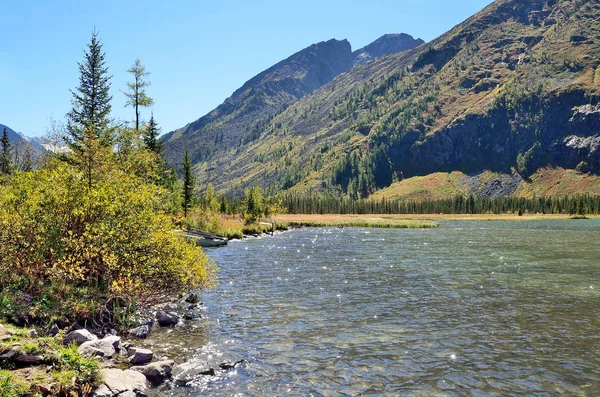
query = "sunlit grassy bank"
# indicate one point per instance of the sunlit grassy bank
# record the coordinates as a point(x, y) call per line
point(370, 221)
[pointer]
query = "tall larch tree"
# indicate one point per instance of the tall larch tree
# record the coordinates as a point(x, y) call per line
point(136, 96)
point(189, 181)
point(5, 160)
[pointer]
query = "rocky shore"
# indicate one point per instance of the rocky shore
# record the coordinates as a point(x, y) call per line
point(123, 369)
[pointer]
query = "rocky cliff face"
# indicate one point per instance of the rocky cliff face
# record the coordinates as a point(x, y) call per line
point(385, 45)
point(252, 106)
point(241, 119)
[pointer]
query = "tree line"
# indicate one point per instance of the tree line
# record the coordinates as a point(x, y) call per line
point(333, 204)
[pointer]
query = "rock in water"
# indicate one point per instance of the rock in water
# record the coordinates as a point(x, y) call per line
point(121, 383)
point(193, 297)
point(227, 366)
point(140, 356)
point(140, 332)
point(157, 372)
point(166, 319)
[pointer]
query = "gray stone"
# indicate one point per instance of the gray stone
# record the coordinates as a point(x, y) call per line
point(121, 383)
point(53, 331)
point(168, 307)
point(109, 345)
point(87, 350)
point(193, 297)
point(11, 353)
point(31, 359)
point(166, 319)
point(156, 372)
point(32, 333)
point(140, 332)
point(188, 371)
point(79, 337)
point(140, 356)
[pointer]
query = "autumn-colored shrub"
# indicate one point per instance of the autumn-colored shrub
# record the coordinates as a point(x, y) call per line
point(72, 247)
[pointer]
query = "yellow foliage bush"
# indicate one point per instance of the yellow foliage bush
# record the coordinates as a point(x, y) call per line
point(68, 245)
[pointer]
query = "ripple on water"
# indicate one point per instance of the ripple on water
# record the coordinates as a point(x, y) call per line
point(471, 308)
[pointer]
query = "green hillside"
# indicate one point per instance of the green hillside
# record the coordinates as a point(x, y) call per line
point(514, 87)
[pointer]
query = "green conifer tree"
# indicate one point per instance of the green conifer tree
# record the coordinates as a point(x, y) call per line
point(5, 160)
point(189, 181)
point(150, 137)
point(89, 116)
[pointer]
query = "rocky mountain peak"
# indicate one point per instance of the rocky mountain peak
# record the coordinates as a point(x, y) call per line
point(385, 45)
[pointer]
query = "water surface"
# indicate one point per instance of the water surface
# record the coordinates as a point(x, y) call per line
point(469, 309)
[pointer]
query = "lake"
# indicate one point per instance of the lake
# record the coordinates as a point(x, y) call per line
point(469, 309)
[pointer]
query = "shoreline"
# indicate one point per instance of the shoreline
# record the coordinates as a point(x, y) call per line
point(389, 220)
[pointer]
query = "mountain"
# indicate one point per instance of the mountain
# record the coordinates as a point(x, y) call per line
point(385, 45)
point(25, 150)
point(12, 134)
point(244, 115)
point(512, 90)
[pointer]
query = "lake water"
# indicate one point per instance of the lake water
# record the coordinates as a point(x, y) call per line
point(469, 309)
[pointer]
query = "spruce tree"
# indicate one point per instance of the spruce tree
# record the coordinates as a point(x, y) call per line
point(89, 116)
point(136, 96)
point(5, 160)
point(150, 137)
point(188, 183)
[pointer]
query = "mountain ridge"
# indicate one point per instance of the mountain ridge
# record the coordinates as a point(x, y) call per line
point(249, 108)
point(514, 88)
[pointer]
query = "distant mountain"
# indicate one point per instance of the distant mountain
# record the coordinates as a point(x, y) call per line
point(513, 89)
point(385, 45)
point(244, 115)
point(12, 134)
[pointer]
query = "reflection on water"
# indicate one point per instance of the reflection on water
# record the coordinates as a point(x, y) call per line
point(471, 308)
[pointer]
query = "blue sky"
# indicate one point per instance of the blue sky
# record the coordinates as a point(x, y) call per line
point(198, 52)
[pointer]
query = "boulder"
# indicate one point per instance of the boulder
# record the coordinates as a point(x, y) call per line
point(30, 359)
point(87, 350)
point(156, 372)
point(166, 319)
point(32, 333)
point(188, 371)
point(79, 337)
point(140, 356)
point(106, 347)
point(116, 382)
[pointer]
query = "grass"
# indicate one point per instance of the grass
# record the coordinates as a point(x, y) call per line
point(61, 365)
point(368, 221)
point(11, 385)
point(439, 185)
point(234, 226)
point(557, 182)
